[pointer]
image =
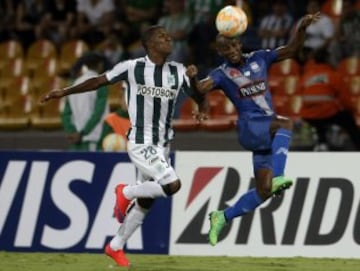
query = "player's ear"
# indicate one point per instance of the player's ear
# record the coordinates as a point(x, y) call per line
point(219, 44)
point(219, 48)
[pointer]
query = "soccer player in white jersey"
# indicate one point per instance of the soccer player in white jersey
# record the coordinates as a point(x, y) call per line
point(153, 85)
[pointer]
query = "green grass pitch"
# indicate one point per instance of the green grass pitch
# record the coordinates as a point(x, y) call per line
point(10, 261)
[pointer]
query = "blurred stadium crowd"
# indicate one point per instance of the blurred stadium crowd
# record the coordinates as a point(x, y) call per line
point(40, 41)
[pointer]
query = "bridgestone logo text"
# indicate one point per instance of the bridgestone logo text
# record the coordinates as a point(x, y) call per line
point(157, 92)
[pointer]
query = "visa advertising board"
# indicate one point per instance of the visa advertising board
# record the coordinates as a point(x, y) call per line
point(63, 201)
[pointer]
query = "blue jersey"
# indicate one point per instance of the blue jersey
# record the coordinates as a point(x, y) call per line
point(246, 85)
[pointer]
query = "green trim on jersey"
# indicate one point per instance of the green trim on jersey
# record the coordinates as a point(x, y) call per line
point(139, 78)
point(68, 125)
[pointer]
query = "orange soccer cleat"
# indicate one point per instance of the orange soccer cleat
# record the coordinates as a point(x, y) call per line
point(118, 256)
point(121, 204)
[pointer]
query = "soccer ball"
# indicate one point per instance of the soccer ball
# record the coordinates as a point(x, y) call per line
point(114, 142)
point(231, 21)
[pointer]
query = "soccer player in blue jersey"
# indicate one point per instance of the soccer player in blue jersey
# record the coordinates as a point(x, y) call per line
point(243, 79)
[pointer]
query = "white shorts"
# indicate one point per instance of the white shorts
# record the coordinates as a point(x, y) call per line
point(153, 162)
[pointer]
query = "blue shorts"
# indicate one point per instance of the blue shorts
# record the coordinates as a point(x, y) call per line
point(254, 135)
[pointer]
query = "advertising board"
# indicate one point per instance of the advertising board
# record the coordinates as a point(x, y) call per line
point(318, 217)
point(63, 201)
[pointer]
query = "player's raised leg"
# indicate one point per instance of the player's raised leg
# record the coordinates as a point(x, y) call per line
point(248, 202)
point(282, 130)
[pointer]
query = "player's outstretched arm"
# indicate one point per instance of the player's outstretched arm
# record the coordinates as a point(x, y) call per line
point(203, 86)
point(198, 96)
point(297, 41)
point(88, 85)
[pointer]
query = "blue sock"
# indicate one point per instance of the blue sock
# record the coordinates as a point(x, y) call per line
point(247, 203)
point(280, 147)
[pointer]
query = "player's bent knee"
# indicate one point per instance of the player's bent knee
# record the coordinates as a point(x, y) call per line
point(145, 203)
point(284, 123)
point(289, 124)
point(171, 188)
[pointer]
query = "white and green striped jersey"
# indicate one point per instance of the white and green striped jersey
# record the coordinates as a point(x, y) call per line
point(151, 94)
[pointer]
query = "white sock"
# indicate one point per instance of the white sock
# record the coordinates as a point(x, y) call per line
point(132, 221)
point(147, 189)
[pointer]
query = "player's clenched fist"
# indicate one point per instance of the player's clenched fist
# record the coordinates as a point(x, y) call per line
point(309, 19)
point(191, 71)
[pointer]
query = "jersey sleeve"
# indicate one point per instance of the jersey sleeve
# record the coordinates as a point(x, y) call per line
point(184, 79)
point(118, 73)
point(189, 89)
point(216, 75)
point(269, 56)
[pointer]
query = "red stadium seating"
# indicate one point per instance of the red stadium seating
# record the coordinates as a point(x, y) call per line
point(279, 70)
point(186, 122)
point(349, 66)
point(70, 51)
point(222, 115)
point(288, 85)
point(9, 50)
point(38, 51)
point(288, 106)
point(332, 8)
point(15, 107)
point(46, 116)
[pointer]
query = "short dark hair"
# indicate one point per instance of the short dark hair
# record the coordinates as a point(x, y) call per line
point(148, 33)
point(221, 37)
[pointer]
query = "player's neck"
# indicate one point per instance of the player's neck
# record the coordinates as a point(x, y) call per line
point(157, 58)
point(242, 60)
point(236, 64)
